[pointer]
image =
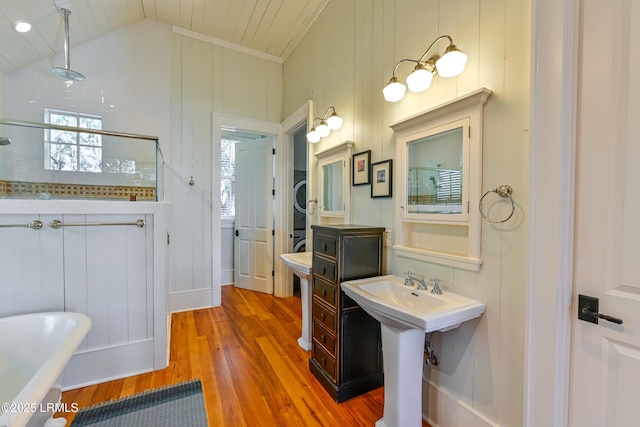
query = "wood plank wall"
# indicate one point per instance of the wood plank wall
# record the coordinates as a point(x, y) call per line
point(344, 61)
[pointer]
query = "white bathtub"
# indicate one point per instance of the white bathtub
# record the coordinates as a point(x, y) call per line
point(34, 349)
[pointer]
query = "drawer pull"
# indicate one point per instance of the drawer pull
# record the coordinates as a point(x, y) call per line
point(324, 247)
point(324, 338)
point(324, 270)
point(324, 293)
point(322, 316)
point(324, 362)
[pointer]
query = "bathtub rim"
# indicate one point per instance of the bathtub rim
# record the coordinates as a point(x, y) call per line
point(35, 390)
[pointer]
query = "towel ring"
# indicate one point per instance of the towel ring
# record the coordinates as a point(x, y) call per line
point(503, 191)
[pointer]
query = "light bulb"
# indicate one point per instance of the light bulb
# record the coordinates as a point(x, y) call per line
point(313, 136)
point(394, 91)
point(452, 62)
point(334, 121)
point(420, 79)
point(22, 26)
point(322, 129)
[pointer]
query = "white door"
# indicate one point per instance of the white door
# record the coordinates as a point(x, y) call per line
point(605, 359)
point(254, 215)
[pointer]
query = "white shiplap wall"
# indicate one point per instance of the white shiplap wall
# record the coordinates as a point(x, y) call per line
point(345, 60)
point(207, 78)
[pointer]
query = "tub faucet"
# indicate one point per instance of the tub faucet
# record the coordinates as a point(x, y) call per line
point(411, 279)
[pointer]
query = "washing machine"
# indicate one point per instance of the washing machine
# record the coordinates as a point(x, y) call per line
point(299, 240)
point(299, 200)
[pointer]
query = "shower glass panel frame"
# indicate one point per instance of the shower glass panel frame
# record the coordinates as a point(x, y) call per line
point(132, 165)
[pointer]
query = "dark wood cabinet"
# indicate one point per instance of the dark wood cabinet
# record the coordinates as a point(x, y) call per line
point(346, 354)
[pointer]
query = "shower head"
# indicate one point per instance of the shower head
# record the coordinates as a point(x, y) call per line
point(4, 140)
point(66, 73)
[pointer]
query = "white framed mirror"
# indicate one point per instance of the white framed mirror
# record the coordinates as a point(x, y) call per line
point(334, 166)
point(439, 156)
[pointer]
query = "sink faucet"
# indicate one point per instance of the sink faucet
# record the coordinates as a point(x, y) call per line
point(436, 286)
point(419, 281)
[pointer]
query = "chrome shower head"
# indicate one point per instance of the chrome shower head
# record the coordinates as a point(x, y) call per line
point(4, 140)
point(66, 73)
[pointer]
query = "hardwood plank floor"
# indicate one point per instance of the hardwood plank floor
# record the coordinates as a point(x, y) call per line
point(253, 372)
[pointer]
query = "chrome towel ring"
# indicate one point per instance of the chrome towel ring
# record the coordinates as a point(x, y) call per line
point(503, 191)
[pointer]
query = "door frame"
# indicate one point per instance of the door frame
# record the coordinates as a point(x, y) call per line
point(554, 85)
point(283, 285)
point(249, 125)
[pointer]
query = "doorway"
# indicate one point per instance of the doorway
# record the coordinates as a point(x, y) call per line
point(221, 249)
point(299, 198)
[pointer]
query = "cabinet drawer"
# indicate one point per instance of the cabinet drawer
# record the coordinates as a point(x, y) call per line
point(326, 362)
point(324, 315)
point(325, 268)
point(326, 291)
point(324, 245)
point(325, 338)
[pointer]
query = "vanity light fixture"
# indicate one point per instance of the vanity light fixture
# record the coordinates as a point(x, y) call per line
point(327, 124)
point(450, 64)
point(21, 26)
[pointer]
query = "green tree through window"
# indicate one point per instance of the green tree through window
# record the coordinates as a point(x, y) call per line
point(72, 151)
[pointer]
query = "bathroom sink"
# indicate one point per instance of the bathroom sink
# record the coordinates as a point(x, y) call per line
point(300, 264)
point(405, 315)
point(391, 302)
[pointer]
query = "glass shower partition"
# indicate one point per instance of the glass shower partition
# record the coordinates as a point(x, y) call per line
point(51, 161)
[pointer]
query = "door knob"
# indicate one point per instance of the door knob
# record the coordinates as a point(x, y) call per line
point(588, 311)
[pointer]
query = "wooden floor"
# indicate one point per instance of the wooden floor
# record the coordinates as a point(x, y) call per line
point(253, 373)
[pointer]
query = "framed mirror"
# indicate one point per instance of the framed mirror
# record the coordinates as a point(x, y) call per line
point(334, 169)
point(439, 171)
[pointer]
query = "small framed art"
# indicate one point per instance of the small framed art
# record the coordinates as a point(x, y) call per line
point(382, 177)
point(361, 168)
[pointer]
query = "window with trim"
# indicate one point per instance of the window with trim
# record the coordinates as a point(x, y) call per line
point(72, 151)
point(227, 178)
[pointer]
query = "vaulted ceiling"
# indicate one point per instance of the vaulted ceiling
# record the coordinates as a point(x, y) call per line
point(270, 26)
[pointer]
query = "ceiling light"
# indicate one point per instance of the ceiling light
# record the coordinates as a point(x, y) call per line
point(450, 64)
point(22, 26)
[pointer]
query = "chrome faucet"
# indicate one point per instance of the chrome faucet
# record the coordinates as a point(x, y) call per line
point(436, 286)
point(411, 279)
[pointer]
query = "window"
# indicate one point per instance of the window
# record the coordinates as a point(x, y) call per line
point(228, 178)
point(72, 151)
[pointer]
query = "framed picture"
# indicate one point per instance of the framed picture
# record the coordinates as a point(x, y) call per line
point(382, 176)
point(361, 168)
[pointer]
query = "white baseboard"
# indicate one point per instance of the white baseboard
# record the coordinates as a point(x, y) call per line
point(190, 300)
point(106, 364)
point(442, 409)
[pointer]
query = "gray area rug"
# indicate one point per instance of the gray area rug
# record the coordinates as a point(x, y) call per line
point(175, 405)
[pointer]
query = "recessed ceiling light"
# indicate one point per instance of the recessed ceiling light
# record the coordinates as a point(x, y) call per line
point(22, 26)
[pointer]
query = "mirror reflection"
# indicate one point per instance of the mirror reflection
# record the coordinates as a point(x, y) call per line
point(332, 186)
point(434, 181)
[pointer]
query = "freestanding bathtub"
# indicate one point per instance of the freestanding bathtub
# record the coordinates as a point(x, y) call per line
point(34, 349)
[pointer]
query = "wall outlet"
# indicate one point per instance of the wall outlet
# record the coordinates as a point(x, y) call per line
point(387, 237)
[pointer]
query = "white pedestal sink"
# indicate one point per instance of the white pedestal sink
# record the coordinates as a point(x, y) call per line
point(300, 264)
point(405, 315)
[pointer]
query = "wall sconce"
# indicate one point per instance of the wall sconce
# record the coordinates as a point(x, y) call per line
point(450, 64)
point(327, 124)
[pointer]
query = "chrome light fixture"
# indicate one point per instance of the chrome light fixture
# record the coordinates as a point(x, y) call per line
point(327, 124)
point(450, 64)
